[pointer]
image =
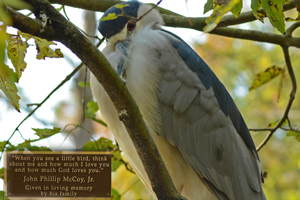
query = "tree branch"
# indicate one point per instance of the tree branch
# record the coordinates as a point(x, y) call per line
point(198, 23)
point(61, 30)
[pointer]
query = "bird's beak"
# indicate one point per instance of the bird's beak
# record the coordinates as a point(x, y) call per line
point(122, 46)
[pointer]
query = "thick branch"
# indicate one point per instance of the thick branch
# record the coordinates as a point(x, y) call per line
point(227, 20)
point(61, 30)
point(174, 20)
point(100, 6)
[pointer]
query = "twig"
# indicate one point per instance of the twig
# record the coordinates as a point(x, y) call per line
point(292, 97)
point(292, 28)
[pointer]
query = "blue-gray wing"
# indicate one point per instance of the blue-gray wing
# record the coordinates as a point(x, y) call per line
point(201, 119)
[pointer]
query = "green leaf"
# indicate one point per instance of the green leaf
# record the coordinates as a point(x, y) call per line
point(236, 10)
point(115, 194)
point(8, 80)
point(104, 144)
point(293, 133)
point(273, 10)
point(16, 4)
point(116, 160)
point(93, 106)
point(2, 145)
point(2, 173)
point(216, 16)
point(3, 196)
point(265, 76)
point(110, 16)
point(16, 50)
point(209, 5)
point(81, 84)
point(271, 125)
point(37, 148)
point(46, 132)
point(92, 116)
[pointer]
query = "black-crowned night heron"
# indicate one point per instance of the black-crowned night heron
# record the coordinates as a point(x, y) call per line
point(194, 122)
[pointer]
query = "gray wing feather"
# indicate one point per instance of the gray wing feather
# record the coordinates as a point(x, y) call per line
point(201, 119)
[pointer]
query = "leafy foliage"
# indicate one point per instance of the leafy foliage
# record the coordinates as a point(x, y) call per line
point(104, 144)
point(16, 51)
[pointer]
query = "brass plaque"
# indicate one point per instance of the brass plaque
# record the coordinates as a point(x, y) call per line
point(58, 175)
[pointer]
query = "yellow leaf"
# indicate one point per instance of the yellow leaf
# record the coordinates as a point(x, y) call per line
point(110, 16)
point(121, 6)
point(8, 78)
point(218, 12)
point(42, 47)
point(265, 76)
point(45, 51)
point(16, 50)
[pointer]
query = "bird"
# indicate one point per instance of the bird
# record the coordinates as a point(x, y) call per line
point(194, 122)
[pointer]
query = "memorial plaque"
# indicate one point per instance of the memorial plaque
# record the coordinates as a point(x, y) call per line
point(61, 174)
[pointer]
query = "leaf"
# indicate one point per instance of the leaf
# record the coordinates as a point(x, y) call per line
point(42, 47)
point(273, 10)
point(2, 171)
point(81, 84)
point(121, 6)
point(90, 113)
point(209, 5)
point(116, 160)
point(3, 196)
point(273, 124)
point(8, 78)
point(16, 4)
point(236, 10)
point(93, 106)
point(2, 145)
point(16, 50)
point(110, 16)
point(115, 194)
point(293, 133)
point(104, 144)
point(46, 132)
point(92, 116)
point(265, 76)
point(217, 14)
point(45, 51)
point(37, 148)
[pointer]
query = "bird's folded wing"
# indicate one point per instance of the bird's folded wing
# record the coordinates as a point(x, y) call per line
point(201, 119)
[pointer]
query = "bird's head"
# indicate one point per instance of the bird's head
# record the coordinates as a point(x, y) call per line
point(122, 21)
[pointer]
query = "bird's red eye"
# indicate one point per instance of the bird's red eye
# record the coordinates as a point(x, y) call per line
point(130, 26)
